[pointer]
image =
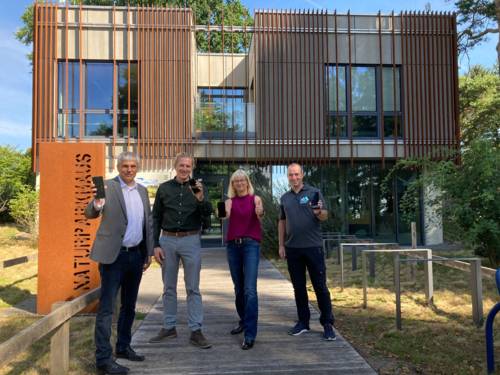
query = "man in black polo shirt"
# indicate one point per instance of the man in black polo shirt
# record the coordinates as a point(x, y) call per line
point(301, 244)
point(178, 212)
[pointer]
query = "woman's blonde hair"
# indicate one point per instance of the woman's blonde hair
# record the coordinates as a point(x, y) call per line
point(239, 173)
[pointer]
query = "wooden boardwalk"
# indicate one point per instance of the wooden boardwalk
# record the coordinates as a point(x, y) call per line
point(275, 352)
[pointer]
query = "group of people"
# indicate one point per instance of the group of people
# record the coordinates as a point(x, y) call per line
point(131, 234)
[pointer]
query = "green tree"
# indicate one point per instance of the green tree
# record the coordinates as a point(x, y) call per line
point(206, 12)
point(15, 173)
point(478, 19)
point(468, 194)
point(479, 104)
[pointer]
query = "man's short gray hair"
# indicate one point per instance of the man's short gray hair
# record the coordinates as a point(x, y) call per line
point(128, 156)
point(184, 155)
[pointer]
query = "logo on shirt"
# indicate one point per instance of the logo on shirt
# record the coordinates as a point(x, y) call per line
point(304, 200)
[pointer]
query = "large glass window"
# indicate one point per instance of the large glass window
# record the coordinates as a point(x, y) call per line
point(392, 106)
point(99, 87)
point(361, 91)
point(127, 92)
point(68, 99)
point(97, 90)
point(221, 112)
point(337, 88)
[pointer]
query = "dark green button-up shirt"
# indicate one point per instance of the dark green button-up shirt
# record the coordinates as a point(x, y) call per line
point(176, 209)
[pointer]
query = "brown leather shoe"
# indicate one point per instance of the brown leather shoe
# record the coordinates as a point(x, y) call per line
point(197, 339)
point(164, 334)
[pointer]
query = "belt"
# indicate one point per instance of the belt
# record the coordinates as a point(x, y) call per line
point(240, 241)
point(179, 234)
point(130, 249)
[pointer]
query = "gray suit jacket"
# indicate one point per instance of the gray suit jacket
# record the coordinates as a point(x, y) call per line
point(113, 225)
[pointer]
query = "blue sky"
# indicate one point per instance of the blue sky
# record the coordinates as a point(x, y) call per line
point(16, 78)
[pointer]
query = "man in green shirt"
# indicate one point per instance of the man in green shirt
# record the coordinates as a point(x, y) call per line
point(178, 212)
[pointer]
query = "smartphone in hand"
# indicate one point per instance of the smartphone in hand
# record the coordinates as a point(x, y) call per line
point(221, 209)
point(192, 183)
point(315, 201)
point(99, 185)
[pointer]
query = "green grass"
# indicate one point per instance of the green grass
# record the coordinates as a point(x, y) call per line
point(435, 340)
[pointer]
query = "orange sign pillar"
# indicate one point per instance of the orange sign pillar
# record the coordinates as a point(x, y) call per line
point(65, 270)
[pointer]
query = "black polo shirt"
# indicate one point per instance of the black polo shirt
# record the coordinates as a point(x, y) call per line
point(176, 209)
point(303, 228)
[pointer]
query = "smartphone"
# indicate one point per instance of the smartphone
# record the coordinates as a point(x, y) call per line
point(315, 201)
point(99, 185)
point(221, 209)
point(192, 183)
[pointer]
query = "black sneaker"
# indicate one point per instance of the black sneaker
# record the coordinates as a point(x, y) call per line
point(329, 333)
point(163, 334)
point(112, 368)
point(298, 329)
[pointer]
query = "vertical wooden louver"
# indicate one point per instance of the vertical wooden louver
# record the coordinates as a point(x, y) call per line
point(44, 115)
point(290, 75)
point(164, 62)
point(430, 96)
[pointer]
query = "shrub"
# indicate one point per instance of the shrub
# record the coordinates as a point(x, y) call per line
point(24, 210)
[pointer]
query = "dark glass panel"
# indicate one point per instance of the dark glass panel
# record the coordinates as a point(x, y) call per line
point(341, 122)
point(384, 211)
point(388, 81)
point(123, 125)
point(73, 85)
point(390, 124)
point(99, 92)
point(364, 126)
point(332, 88)
point(359, 200)
point(73, 120)
point(123, 86)
point(363, 90)
point(99, 125)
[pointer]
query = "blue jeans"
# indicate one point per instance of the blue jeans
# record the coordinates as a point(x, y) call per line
point(243, 260)
point(124, 272)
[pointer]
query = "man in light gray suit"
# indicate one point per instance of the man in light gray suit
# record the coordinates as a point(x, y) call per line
point(123, 247)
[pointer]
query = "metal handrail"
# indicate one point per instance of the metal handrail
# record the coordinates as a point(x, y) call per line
point(488, 329)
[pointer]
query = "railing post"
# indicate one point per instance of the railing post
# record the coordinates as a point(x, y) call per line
point(371, 262)
point(365, 279)
point(59, 347)
point(354, 257)
point(338, 248)
point(476, 292)
point(413, 246)
point(429, 278)
point(397, 288)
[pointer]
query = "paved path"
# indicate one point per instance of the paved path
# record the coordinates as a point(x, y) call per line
point(274, 352)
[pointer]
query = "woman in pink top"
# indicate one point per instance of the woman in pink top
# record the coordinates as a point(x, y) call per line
point(244, 211)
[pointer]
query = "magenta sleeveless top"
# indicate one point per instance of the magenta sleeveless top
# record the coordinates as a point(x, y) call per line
point(243, 221)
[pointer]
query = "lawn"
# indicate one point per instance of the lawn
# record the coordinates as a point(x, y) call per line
point(441, 339)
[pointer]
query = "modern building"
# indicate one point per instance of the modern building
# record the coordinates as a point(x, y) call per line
point(346, 95)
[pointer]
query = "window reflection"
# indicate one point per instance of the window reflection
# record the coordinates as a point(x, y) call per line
point(364, 101)
point(99, 87)
point(363, 91)
point(221, 113)
point(98, 125)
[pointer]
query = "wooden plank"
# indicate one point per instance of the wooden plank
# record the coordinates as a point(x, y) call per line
point(17, 344)
point(307, 353)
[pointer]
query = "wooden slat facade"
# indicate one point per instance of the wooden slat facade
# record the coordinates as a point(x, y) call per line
point(288, 53)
